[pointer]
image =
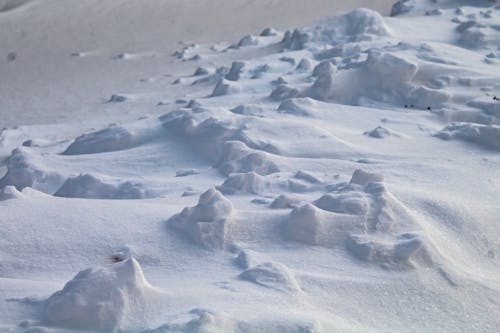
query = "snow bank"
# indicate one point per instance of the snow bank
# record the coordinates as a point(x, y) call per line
point(205, 223)
point(485, 135)
point(90, 187)
point(106, 299)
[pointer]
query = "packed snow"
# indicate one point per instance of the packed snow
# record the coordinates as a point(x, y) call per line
point(343, 176)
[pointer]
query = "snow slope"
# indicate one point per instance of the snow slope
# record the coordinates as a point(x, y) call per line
point(70, 56)
point(340, 177)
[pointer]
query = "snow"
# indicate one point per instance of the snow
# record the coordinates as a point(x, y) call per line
point(100, 300)
point(255, 171)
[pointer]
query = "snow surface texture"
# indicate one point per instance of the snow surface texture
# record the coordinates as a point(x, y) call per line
point(348, 169)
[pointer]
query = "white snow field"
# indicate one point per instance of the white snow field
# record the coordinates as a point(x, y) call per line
point(342, 176)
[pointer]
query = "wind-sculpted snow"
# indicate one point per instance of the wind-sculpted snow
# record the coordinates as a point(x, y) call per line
point(357, 25)
point(90, 187)
point(221, 142)
point(364, 218)
point(25, 169)
point(107, 299)
point(205, 223)
point(484, 135)
point(110, 139)
point(9, 192)
point(250, 182)
point(271, 275)
point(351, 165)
point(383, 77)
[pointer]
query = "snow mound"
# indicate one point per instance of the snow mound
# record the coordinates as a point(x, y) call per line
point(485, 135)
point(383, 77)
point(478, 34)
point(396, 252)
point(186, 172)
point(117, 99)
point(225, 87)
point(295, 40)
point(402, 7)
point(236, 157)
point(237, 68)
point(358, 25)
point(283, 91)
point(298, 106)
point(308, 177)
point(361, 177)
point(324, 67)
point(249, 183)
point(90, 187)
point(285, 201)
point(489, 107)
point(389, 237)
point(304, 65)
point(268, 32)
point(205, 223)
point(101, 299)
point(379, 132)
point(248, 40)
point(200, 71)
point(25, 170)
point(249, 258)
point(9, 192)
point(222, 142)
point(203, 321)
point(310, 225)
point(249, 110)
point(271, 275)
point(109, 139)
point(258, 71)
